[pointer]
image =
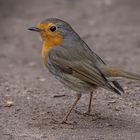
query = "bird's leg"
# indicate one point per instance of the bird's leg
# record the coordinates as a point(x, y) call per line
point(89, 105)
point(88, 112)
point(74, 104)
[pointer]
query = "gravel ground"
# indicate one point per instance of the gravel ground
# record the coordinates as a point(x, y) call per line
point(28, 102)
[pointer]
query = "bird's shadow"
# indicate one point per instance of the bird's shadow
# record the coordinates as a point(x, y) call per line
point(119, 122)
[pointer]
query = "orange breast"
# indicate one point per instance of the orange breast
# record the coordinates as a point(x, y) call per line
point(49, 43)
point(45, 49)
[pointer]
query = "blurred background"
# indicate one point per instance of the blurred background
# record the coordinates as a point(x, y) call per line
point(110, 27)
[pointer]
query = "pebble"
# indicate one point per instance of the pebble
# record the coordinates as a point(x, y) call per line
point(41, 79)
point(112, 102)
point(117, 109)
point(9, 103)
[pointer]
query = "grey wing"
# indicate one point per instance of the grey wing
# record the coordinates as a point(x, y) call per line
point(63, 63)
point(96, 59)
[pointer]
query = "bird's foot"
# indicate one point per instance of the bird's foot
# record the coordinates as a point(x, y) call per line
point(88, 113)
point(83, 113)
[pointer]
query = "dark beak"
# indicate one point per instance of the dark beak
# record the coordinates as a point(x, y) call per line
point(35, 29)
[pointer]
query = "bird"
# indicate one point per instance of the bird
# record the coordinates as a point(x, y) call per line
point(74, 63)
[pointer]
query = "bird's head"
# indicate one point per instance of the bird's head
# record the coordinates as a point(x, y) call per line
point(54, 31)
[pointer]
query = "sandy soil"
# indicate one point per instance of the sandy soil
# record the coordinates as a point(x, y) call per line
point(28, 102)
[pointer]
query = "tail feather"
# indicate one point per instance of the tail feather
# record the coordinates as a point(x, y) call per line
point(115, 90)
point(114, 72)
point(117, 85)
point(130, 75)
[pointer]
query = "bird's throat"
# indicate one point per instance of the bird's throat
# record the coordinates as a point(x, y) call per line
point(45, 48)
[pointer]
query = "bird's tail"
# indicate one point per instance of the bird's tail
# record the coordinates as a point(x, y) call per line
point(115, 72)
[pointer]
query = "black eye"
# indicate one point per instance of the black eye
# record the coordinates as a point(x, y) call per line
point(53, 28)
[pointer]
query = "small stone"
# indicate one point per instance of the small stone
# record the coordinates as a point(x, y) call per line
point(9, 103)
point(107, 124)
point(7, 89)
point(41, 79)
point(112, 102)
point(117, 109)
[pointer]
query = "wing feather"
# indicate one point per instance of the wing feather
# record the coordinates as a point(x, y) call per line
point(83, 69)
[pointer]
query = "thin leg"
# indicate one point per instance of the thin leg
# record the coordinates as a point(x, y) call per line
point(89, 105)
point(74, 104)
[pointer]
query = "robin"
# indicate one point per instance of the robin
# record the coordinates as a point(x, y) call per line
point(74, 64)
